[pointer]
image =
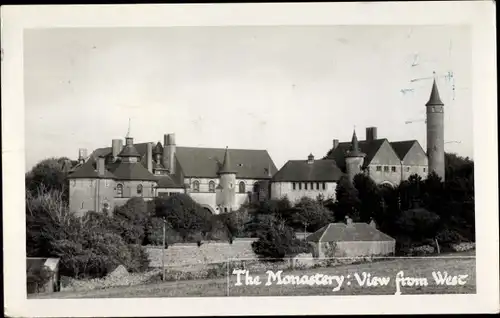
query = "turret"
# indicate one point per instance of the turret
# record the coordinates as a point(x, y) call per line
point(129, 153)
point(227, 181)
point(435, 132)
point(354, 158)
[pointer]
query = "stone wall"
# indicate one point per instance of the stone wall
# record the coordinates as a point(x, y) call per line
point(182, 254)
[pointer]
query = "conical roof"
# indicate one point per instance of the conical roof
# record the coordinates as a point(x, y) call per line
point(129, 149)
point(226, 164)
point(434, 99)
point(355, 152)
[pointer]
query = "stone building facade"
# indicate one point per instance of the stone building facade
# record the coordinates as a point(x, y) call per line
point(221, 180)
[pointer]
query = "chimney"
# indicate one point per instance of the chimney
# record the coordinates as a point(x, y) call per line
point(335, 144)
point(310, 159)
point(149, 157)
point(169, 150)
point(82, 154)
point(165, 152)
point(371, 133)
point(117, 145)
point(100, 166)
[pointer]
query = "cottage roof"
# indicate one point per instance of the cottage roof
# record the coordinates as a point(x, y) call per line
point(402, 147)
point(341, 232)
point(434, 99)
point(88, 170)
point(300, 170)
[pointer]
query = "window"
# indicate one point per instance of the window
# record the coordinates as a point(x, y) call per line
point(312, 185)
point(386, 168)
point(211, 186)
point(324, 186)
point(119, 190)
point(424, 169)
point(379, 168)
point(241, 187)
point(300, 185)
point(294, 185)
point(407, 169)
point(305, 185)
point(393, 169)
point(196, 186)
point(139, 190)
point(317, 185)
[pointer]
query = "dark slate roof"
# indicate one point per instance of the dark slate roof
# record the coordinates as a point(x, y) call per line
point(158, 149)
point(129, 151)
point(354, 151)
point(88, 170)
point(205, 162)
point(301, 170)
point(340, 232)
point(370, 148)
point(167, 182)
point(434, 99)
point(131, 171)
point(402, 147)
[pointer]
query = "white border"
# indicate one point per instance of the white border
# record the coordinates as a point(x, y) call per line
point(480, 15)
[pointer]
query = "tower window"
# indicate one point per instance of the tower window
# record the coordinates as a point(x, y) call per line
point(139, 190)
point(393, 169)
point(386, 168)
point(119, 190)
point(196, 186)
point(294, 185)
point(379, 168)
point(241, 187)
point(211, 186)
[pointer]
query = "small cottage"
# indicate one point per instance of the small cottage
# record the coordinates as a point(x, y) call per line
point(42, 275)
point(350, 239)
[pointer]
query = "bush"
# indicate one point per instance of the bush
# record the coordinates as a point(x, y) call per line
point(37, 277)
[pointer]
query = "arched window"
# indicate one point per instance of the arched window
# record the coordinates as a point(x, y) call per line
point(139, 190)
point(256, 187)
point(196, 186)
point(242, 187)
point(211, 186)
point(119, 190)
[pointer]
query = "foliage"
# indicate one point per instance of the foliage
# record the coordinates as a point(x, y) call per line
point(278, 241)
point(310, 215)
point(37, 277)
point(348, 203)
point(369, 196)
point(51, 174)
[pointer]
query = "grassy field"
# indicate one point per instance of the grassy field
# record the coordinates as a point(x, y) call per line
point(411, 267)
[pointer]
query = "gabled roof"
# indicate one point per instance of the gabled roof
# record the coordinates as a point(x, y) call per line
point(341, 232)
point(370, 148)
point(131, 171)
point(300, 170)
point(401, 148)
point(88, 170)
point(205, 162)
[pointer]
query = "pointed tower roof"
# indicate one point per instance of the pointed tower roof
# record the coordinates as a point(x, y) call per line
point(226, 164)
point(129, 149)
point(355, 152)
point(434, 99)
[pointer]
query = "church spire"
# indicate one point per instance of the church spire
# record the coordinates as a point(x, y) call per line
point(355, 152)
point(434, 99)
point(226, 164)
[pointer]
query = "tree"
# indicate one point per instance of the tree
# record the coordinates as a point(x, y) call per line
point(347, 203)
point(50, 174)
point(369, 197)
point(310, 215)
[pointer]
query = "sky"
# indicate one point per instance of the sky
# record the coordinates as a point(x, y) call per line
point(288, 89)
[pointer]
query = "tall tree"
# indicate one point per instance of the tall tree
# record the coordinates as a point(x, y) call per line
point(348, 202)
point(369, 195)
